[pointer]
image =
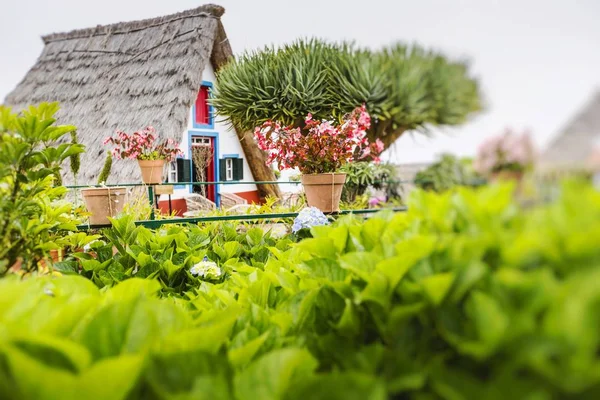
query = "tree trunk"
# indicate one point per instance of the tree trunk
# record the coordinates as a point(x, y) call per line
point(382, 133)
point(257, 162)
point(220, 56)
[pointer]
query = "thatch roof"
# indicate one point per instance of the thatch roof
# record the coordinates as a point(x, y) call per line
point(574, 145)
point(125, 76)
point(593, 162)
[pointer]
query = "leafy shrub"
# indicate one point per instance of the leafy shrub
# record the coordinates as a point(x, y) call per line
point(463, 297)
point(447, 173)
point(167, 254)
point(31, 213)
point(362, 175)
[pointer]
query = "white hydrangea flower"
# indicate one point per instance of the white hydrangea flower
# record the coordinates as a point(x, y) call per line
point(206, 269)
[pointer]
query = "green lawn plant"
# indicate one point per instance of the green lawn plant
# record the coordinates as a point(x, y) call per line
point(466, 296)
point(32, 212)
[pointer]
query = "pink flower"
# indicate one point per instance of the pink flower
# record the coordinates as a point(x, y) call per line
point(321, 146)
point(142, 144)
point(374, 201)
point(506, 151)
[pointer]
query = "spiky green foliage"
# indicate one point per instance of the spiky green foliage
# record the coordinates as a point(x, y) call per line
point(404, 87)
point(105, 173)
point(75, 159)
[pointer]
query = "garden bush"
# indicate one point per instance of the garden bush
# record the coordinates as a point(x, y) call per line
point(466, 296)
point(33, 216)
point(361, 175)
point(167, 254)
point(446, 173)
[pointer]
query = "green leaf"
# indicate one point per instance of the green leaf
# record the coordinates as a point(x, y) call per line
point(54, 352)
point(242, 355)
point(273, 375)
point(490, 320)
point(232, 250)
point(362, 264)
point(35, 380)
point(124, 372)
point(321, 247)
point(437, 286)
point(339, 386)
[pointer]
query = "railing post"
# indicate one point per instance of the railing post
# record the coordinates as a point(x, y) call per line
point(151, 199)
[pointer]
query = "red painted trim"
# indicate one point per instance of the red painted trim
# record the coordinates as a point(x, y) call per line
point(251, 197)
point(178, 205)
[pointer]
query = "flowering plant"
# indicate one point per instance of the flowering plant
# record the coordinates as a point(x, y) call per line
point(309, 217)
point(376, 201)
point(507, 152)
point(320, 146)
point(142, 145)
point(206, 269)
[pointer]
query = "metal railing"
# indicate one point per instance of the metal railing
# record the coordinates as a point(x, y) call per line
point(156, 223)
point(153, 200)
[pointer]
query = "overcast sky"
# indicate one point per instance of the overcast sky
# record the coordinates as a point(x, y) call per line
point(538, 60)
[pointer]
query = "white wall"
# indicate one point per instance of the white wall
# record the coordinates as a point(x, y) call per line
point(228, 144)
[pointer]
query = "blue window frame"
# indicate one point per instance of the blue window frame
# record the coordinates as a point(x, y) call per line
point(211, 111)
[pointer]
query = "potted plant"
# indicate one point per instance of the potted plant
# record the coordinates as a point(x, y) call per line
point(142, 146)
point(103, 202)
point(318, 149)
point(505, 157)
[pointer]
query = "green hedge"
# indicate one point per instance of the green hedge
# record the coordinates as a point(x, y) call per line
point(466, 296)
point(128, 251)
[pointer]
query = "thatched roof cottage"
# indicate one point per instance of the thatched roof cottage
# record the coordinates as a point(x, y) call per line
point(130, 75)
point(577, 144)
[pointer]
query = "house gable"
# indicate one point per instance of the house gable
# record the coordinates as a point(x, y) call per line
point(125, 76)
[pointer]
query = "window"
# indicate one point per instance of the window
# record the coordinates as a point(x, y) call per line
point(203, 110)
point(201, 141)
point(172, 177)
point(231, 168)
point(183, 170)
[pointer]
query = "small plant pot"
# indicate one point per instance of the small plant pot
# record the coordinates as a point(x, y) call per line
point(323, 191)
point(509, 176)
point(103, 202)
point(56, 255)
point(152, 171)
point(504, 176)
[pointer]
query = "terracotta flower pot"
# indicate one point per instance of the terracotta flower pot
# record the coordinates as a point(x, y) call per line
point(503, 176)
point(324, 190)
point(509, 176)
point(152, 171)
point(56, 255)
point(103, 202)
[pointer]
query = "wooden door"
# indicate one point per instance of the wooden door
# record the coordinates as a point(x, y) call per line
point(209, 170)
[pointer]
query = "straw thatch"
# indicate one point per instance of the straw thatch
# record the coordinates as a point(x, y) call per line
point(574, 145)
point(125, 76)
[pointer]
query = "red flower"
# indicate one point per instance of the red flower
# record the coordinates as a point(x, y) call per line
point(321, 146)
point(141, 145)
